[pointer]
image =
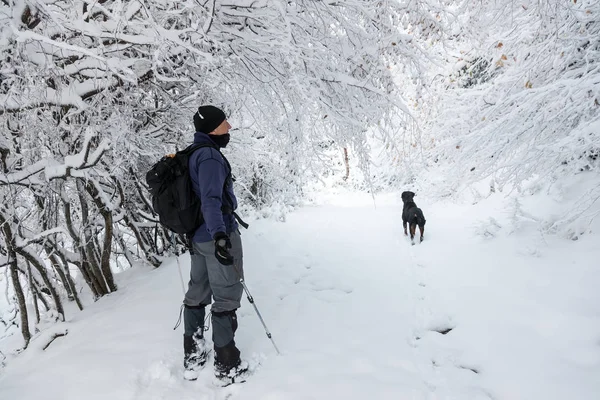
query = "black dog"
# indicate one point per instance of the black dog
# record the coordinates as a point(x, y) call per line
point(412, 215)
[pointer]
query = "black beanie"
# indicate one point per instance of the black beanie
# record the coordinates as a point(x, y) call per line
point(207, 118)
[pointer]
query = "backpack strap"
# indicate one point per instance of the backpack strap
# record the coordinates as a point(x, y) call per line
point(195, 146)
point(229, 210)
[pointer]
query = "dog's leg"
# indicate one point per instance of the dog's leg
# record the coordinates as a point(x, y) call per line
point(404, 224)
point(422, 230)
point(413, 228)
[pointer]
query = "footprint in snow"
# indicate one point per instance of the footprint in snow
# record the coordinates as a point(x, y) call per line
point(443, 330)
point(472, 369)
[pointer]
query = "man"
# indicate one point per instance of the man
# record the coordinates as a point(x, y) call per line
point(216, 259)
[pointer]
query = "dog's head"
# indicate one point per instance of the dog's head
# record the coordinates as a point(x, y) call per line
point(407, 197)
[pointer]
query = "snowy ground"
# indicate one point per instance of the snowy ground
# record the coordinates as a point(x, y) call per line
point(477, 311)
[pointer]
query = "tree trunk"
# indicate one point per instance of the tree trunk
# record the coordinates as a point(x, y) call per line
point(14, 274)
point(41, 297)
point(108, 235)
point(62, 268)
point(49, 205)
point(146, 244)
point(39, 266)
point(346, 163)
point(143, 243)
point(126, 252)
point(106, 250)
point(89, 255)
point(34, 295)
point(83, 265)
point(59, 271)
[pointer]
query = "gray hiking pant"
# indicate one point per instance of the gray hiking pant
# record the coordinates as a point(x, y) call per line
point(209, 279)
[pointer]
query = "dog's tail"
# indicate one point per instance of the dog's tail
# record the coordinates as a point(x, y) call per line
point(419, 219)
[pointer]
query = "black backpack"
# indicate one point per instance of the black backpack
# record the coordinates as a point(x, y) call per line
point(173, 198)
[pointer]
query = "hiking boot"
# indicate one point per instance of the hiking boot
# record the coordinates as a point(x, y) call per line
point(195, 354)
point(228, 364)
point(238, 374)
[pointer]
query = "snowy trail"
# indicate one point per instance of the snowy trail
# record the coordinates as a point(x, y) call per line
point(347, 308)
point(356, 311)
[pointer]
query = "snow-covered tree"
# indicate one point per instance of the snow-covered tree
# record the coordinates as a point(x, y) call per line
point(93, 93)
point(518, 97)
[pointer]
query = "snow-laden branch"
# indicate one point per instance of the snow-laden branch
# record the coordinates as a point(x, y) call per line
point(39, 237)
point(73, 165)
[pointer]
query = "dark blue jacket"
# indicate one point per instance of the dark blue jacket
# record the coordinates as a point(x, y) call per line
point(209, 171)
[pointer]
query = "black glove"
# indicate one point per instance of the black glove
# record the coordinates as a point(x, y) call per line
point(222, 246)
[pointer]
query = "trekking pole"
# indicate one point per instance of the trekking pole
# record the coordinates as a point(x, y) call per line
point(251, 300)
point(173, 241)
